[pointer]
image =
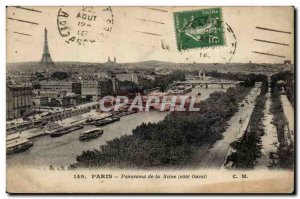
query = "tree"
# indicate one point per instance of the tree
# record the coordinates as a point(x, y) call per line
point(54, 102)
point(127, 87)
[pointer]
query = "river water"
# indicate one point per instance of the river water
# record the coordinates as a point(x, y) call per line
point(62, 151)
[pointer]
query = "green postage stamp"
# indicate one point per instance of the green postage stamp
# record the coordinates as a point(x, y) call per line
point(199, 28)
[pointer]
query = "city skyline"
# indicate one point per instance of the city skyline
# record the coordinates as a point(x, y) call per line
point(98, 98)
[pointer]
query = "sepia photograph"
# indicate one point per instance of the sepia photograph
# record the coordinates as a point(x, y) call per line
point(150, 99)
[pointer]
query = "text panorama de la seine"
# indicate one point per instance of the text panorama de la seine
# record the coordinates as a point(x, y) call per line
point(142, 176)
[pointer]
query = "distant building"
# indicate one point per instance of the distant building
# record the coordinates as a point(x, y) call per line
point(9, 80)
point(46, 57)
point(18, 78)
point(58, 98)
point(94, 76)
point(95, 89)
point(76, 88)
point(287, 62)
point(51, 94)
point(128, 77)
point(146, 76)
point(91, 89)
point(18, 101)
point(61, 86)
point(282, 85)
point(109, 61)
point(40, 101)
point(202, 75)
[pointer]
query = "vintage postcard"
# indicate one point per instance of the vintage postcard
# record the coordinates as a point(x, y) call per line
point(150, 99)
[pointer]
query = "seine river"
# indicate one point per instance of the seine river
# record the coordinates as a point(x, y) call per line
point(62, 151)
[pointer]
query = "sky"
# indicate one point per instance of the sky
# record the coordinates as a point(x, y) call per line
point(146, 33)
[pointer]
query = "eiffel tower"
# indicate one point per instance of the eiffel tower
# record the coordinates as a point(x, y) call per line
point(46, 57)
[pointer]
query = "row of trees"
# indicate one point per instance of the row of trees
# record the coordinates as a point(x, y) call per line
point(166, 80)
point(247, 149)
point(285, 152)
point(128, 87)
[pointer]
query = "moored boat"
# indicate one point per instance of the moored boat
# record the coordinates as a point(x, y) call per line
point(108, 120)
point(18, 145)
point(90, 134)
point(65, 130)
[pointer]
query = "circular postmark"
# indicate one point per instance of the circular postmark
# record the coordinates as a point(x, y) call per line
point(231, 42)
point(84, 25)
point(223, 53)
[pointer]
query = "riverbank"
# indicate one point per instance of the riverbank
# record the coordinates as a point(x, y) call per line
point(75, 120)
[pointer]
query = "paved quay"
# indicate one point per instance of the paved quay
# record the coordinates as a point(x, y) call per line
point(78, 119)
point(216, 155)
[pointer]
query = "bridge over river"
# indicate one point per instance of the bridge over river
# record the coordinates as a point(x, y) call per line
point(207, 82)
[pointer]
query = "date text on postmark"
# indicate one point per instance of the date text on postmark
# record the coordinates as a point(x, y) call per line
point(84, 25)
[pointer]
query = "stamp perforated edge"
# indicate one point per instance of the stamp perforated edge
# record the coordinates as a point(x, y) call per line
point(198, 48)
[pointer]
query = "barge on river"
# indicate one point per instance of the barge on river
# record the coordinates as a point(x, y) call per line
point(65, 130)
point(90, 134)
point(107, 121)
point(17, 144)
